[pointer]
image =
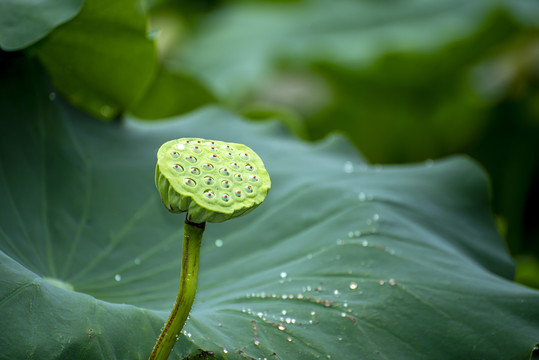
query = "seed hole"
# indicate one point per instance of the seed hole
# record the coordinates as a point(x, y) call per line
point(209, 180)
point(175, 154)
point(195, 171)
point(207, 166)
point(189, 182)
point(177, 167)
point(225, 197)
point(238, 177)
point(209, 194)
point(225, 184)
point(191, 159)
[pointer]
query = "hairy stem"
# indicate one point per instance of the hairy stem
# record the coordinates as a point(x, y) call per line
point(192, 238)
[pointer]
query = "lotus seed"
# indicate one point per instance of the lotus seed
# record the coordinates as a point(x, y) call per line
point(238, 177)
point(195, 171)
point(249, 167)
point(175, 154)
point(238, 193)
point(249, 188)
point(224, 171)
point(207, 166)
point(191, 159)
point(197, 149)
point(225, 184)
point(212, 148)
point(209, 180)
point(244, 156)
point(235, 165)
point(229, 155)
point(225, 197)
point(177, 167)
point(190, 182)
point(209, 194)
point(253, 178)
point(214, 157)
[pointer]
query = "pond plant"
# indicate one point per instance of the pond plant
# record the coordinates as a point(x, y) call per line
point(212, 181)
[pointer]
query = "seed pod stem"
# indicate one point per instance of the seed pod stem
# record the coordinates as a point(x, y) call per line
point(192, 239)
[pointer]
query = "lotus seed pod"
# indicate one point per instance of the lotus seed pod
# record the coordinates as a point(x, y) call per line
point(212, 180)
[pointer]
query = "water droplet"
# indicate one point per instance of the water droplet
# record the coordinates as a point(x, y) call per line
point(392, 282)
point(209, 180)
point(283, 275)
point(336, 292)
point(180, 147)
point(118, 277)
point(381, 282)
point(225, 351)
point(281, 327)
point(348, 167)
point(313, 313)
point(365, 243)
point(225, 197)
point(189, 182)
point(362, 196)
point(289, 338)
point(52, 96)
point(256, 342)
point(195, 171)
point(137, 261)
point(376, 217)
point(219, 243)
point(353, 285)
point(340, 242)
point(283, 312)
point(343, 314)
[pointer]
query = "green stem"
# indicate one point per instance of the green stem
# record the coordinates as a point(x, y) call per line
point(192, 238)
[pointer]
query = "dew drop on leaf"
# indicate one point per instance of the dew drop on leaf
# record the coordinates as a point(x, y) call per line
point(348, 167)
point(218, 242)
point(353, 285)
point(118, 277)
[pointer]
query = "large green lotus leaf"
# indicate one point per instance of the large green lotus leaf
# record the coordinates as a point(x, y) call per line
point(102, 61)
point(244, 43)
point(23, 22)
point(343, 260)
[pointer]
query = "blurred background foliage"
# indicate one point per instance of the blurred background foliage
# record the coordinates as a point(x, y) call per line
point(405, 81)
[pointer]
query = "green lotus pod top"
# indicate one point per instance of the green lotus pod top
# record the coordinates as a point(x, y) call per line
point(212, 180)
